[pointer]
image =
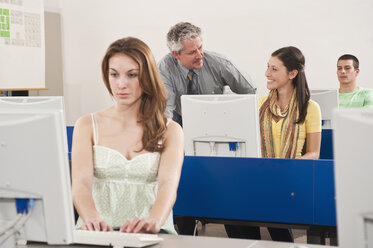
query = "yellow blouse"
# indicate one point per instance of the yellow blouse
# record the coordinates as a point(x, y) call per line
point(312, 124)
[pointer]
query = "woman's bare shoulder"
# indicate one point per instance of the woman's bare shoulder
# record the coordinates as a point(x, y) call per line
point(174, 130)
point(84, 121)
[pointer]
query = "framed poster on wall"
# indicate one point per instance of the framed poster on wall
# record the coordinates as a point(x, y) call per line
point(22, 45)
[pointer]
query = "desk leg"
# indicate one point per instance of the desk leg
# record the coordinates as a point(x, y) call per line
point(334, 238)
point(334, 241)
point(315, 236)
point(185, 225)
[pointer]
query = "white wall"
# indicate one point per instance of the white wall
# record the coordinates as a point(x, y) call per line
point(246, 31)
point(53, 56)
point(52, 6)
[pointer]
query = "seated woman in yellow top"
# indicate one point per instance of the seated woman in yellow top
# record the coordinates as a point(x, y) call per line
point(287, 115)
point(287, 118)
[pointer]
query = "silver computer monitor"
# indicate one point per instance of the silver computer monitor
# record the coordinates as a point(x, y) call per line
point(328, 101)
point(221, 125)
point(34, 164)
point(353, 147)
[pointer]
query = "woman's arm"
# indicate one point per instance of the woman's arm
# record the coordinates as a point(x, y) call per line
point(313, 146)
point(82, 175)
point(168, 181)
point(313, 130)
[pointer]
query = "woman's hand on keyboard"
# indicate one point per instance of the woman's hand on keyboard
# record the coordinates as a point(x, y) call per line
point(96, 225)
point(145, 225)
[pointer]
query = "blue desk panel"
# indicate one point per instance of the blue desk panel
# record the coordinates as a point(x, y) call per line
point(257, 189)
point(325, 210)
point(253, 189)
point(69, 131)
point(326, 150)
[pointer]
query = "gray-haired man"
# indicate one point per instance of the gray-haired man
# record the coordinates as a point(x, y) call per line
point(188, 69)
point(208, 71)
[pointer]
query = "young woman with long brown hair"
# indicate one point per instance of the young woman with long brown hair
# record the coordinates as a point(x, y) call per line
point(126, 159)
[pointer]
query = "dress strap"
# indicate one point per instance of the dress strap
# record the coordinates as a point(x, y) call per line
point(168, 122)
point(95, 129)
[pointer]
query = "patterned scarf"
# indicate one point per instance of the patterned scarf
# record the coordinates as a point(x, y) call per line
point(289, 129)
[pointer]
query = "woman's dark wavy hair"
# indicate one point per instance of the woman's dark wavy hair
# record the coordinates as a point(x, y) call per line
point(293, 59)
point(153, 99)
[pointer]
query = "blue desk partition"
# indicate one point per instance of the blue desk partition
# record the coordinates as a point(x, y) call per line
point(326, 150)
point(324, 190)
point(69, 131)
point(257, 189)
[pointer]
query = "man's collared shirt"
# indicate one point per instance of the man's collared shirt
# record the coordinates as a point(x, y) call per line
point(216, 72)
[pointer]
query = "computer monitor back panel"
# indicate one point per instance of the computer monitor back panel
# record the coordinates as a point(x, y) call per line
point(328, 101)
point(32, 103)
point(34, 164)
point(353, 146)
point(221, 125)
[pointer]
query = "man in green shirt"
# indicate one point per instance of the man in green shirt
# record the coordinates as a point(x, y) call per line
point(350, 95)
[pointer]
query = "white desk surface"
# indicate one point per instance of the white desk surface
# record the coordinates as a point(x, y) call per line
point(174, 241)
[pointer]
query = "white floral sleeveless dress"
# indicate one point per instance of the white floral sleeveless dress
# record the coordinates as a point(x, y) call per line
point(123, 189)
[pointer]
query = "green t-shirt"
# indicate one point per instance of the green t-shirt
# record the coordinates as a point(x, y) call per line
point(359, 98)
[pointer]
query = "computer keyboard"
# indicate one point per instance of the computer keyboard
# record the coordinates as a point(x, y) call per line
point(115, 239)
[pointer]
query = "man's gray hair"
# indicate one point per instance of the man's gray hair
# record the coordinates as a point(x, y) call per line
point(179, 32)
